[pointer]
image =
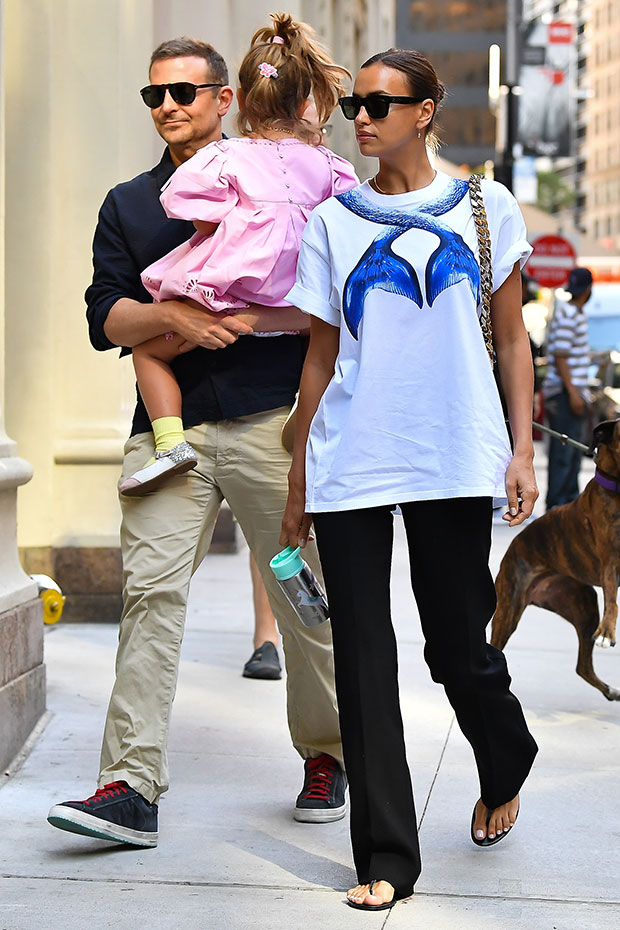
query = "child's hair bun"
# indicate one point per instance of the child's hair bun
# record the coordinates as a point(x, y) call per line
point(290, 53)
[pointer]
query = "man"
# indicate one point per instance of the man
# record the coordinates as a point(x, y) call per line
point(566, 387)
point(237, 393)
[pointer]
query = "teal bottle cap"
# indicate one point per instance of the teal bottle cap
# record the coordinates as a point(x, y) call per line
point(287, 563)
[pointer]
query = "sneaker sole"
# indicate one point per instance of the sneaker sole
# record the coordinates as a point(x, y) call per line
point(74, 821)
point(153, 484)
point(266, 674)
point(319, 815)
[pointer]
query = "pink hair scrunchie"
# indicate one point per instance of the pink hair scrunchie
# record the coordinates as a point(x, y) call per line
point(277, 40)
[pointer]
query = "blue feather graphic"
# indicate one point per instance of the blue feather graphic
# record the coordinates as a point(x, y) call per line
point(380, 268)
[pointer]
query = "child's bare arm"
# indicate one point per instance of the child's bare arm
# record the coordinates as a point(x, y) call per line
point(204, 228)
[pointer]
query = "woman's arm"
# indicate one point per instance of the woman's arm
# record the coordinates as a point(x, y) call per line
point(514, 360)
point(317, 373)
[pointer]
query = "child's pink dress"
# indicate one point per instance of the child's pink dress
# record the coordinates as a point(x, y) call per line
point(261, 193)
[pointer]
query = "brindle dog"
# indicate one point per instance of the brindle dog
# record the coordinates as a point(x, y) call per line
point(557, 560)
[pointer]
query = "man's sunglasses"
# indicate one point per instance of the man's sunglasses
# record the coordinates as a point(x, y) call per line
point(182, 93)
point(376, 105)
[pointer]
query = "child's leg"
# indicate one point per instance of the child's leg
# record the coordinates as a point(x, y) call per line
point(156, 381)
point(162, 399)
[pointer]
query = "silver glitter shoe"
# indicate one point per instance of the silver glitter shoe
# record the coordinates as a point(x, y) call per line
point(175, 461)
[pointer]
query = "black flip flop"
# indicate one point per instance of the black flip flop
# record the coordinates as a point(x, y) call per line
point(374, 907)
point(486, 841)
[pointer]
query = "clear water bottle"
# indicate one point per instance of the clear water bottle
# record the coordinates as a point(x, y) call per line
point(300, 586)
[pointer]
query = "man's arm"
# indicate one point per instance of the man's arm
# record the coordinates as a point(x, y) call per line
point(130, 322)
point(576, 401)
point(118, 315)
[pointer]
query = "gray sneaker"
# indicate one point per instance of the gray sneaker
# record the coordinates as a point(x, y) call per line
point(263, 663)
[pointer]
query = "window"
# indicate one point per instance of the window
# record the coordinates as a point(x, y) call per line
point(456, 15)
point(461, 68)
point(467, 126)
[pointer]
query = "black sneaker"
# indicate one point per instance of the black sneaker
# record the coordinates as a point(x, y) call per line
point(263, 663)
point(115, 812)
point(322, 798)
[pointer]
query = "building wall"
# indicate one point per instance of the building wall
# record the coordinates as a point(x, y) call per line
point(76, 126)
point(22, 673)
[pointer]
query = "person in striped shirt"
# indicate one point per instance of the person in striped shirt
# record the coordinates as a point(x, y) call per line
point(566, 387)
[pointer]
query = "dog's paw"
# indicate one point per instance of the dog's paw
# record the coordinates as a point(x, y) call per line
point(604, 641)
point(612, 694)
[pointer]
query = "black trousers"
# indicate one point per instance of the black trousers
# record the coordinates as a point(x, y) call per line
point(449, 543)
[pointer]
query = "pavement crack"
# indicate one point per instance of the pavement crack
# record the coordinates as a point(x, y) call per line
point(430, 790)
point(247, 886)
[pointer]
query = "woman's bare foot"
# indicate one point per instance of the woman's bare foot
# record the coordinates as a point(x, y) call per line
point(383, 893)
point(501, 821)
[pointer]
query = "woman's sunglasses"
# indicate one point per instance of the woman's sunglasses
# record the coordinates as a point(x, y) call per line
point(376, 105)
point(182, 93)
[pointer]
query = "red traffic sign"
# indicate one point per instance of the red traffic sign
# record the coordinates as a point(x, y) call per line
point(551, 261)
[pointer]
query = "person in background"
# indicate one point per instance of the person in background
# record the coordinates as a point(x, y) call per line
point(566, 387)
point(264, 663)
point(528, 293)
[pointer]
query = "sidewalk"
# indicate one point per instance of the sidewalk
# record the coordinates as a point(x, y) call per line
point(230, 854)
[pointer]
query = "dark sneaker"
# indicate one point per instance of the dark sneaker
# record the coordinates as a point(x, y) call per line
point(322, 797)
point(263, 663)
point(115, 812)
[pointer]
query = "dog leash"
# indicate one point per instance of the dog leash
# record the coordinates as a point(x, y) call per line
point(564, 439)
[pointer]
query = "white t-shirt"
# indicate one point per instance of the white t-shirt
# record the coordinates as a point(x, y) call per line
point(412, 412)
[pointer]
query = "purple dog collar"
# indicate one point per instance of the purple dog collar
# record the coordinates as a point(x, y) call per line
point(606, 481)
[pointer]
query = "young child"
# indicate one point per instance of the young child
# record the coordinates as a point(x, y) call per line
point(249, 199)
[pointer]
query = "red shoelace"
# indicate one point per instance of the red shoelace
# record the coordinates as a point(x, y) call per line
point(115, 788)
point(319, 777)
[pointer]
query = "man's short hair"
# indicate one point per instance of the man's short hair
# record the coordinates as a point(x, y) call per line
point(185, 47)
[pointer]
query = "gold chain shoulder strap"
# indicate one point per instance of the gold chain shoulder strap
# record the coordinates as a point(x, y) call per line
point(484, 258)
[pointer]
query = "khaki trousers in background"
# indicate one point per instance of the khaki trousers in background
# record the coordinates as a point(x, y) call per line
point(164, 537)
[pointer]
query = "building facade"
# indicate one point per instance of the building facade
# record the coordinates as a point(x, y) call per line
point(76, 126)
point(602, 119)
point(572, 169)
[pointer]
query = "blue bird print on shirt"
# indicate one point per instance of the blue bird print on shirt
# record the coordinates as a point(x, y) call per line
point(381, 268)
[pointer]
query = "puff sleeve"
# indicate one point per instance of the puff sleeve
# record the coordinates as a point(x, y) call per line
point(201, 188)
point(344, 177)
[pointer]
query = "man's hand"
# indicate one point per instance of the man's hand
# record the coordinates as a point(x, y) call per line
point(203, 327)
point(577, 403)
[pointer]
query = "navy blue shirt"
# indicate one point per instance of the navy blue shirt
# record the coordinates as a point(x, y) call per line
point(252, 375)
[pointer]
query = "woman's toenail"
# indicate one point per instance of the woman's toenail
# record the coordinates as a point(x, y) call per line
point(480, 834)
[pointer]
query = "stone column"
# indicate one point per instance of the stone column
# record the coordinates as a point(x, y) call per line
point(22, 674)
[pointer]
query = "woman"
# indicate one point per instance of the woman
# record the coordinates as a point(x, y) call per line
point(398, 405)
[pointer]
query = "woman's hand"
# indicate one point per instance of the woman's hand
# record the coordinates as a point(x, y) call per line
point(521, 489)
point(295, 522)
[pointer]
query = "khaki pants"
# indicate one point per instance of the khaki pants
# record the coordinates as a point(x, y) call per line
point(164, 537)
